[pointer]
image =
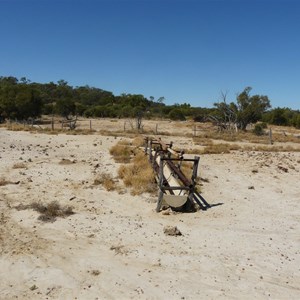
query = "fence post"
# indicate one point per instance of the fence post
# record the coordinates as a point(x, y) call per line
point(270, 137)
point(156, 129)
point(90, 125)
point(161, 176)
point(52, 123)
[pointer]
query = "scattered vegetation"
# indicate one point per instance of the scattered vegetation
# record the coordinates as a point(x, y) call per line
point(48, 212)
point(23, 100)
point(19, 165)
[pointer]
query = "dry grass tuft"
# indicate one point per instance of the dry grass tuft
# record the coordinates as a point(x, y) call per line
point(187, 169)
point(4, 182)
point(49, 212)
point(119, 249)
point(19, 165)
point(106, 181)
point(66, 161)
point(121, 152)
point(138, 141)
point(138, 175)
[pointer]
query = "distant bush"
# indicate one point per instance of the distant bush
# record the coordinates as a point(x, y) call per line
point(258, 129)
point(176, 114)
point(264, 125)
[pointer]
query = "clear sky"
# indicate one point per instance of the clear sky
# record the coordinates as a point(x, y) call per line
point(185, 50)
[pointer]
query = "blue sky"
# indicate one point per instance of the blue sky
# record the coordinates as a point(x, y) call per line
point(185, 50)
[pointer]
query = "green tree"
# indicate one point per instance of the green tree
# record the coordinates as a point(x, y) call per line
point(250, 108)
point(28, 103)
point(65, 107)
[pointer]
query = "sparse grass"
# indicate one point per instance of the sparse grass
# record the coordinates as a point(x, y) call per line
point(49, 212)
point(245, 136)
point(138, 175)
point(202, 141)
point(214, 149)
point(220, 148)
point(227, 148)
point(18, 127)
point(193, 151)
point(271, 148)
point(106, 181)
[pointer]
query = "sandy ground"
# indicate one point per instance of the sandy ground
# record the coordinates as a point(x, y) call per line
point(114, 246)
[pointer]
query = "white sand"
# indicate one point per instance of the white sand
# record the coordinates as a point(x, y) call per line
point(114, 246)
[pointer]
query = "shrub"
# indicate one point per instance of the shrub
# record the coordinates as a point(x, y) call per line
point(258, 129)
point(176, 114)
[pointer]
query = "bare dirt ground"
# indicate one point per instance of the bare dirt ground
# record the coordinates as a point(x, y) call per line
point(114, 246)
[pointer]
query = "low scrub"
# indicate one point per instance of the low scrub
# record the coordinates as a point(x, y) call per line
point(106, 181)
point(121, 152)
point(138, 175)
point(48, 212)
point(19, 165)
point(4, 182)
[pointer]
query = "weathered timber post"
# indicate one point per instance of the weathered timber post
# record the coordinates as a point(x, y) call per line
point(160, 185)
point(156, 129)
point(195, 169)
point(90, 125)
point(52, 123)
point(270, 137)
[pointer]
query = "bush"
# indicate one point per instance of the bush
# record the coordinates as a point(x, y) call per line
point(176, 115)
point(258, 129)
point(264, 125)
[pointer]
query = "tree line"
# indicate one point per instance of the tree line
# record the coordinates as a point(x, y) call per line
point(22, 99)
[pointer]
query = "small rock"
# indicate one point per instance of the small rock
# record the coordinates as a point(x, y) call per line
point(172, 230)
